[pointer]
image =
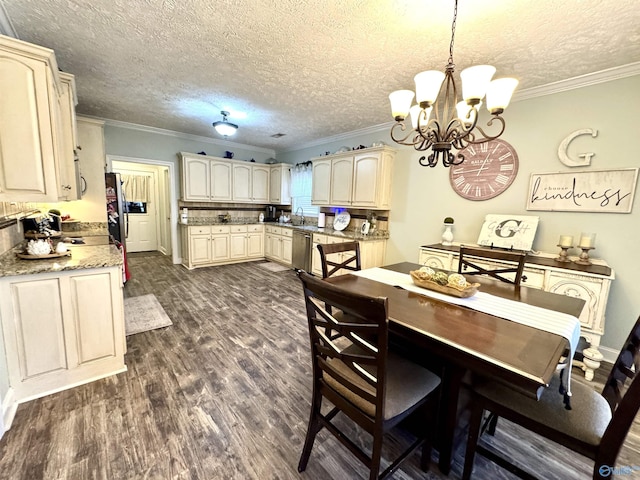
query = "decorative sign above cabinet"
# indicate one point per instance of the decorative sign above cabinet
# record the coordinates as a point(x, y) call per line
point(606, 191)
point(488, 170)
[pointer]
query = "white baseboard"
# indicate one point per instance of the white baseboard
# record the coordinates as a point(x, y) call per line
point(610, 354)
point(9, 407)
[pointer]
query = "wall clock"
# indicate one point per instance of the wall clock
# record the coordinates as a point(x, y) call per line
point(487, 171)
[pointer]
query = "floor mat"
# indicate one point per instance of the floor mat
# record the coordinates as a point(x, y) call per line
point(144, 313)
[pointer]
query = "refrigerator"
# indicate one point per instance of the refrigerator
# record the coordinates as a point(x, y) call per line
point(117, 216)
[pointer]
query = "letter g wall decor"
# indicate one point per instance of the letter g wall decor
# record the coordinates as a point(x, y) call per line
point(563, 154)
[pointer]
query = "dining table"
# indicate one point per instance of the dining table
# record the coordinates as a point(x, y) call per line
point(463, 341)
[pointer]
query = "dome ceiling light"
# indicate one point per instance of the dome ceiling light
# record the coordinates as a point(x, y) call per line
point(225, 127)
point(441, 123)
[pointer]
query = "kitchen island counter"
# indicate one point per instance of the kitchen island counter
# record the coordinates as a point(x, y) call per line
point(82, 257)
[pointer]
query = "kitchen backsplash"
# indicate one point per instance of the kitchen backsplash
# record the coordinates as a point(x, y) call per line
point(10, 228)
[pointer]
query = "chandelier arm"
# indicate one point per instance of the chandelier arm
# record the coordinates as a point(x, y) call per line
point(485, 136)
point(402, 140)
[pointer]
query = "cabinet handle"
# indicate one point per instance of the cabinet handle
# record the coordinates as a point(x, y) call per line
point(523, 278)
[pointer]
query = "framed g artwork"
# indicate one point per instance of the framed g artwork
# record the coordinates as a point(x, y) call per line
point(514, 232)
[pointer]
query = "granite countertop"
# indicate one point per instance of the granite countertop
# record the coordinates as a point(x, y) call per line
point(351, 234)
point(82, 257)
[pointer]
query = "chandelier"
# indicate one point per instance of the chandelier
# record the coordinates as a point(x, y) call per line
point(224, 127)
point(442, 123)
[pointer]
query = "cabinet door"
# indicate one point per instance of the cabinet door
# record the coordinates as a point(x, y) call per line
point(255, 245)
point(200, 249)
point(27, 148)
point(268, 245)
point(260, 184)
point(196, 180)
point(221, 173)
point(68, 180)
point(238, 246)
point(276, 247)
point(434, 259)
point(587, 288)
point(365, 180)
point(287, 250)
point(242, 183)
point(321, 182)
point(220, 248)
point(93, 317)
point(341, 180)
point(275, 184)
point(39, 334)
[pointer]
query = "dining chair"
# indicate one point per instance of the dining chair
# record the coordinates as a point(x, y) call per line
point(330, 266)
point(595, 427)
point(470, 262)
point(375, 388)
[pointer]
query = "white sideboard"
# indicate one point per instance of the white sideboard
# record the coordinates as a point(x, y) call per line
point(591, 283)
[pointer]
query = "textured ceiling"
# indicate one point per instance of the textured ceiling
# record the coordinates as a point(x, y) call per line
point(307, 68)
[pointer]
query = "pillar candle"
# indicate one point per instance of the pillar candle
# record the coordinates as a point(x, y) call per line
point(566, 241)
point(587, 240)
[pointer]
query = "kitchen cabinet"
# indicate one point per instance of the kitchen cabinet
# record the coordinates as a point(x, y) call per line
point(251, 183)
point(205, 245)
point(196, 181)
point(280, 184)
point(279, 243)
point(361, 178)
point(220, 181)
point(68, 168)
point(62, 329)
point(31, 140)
point(372, 252)
point(592, 284)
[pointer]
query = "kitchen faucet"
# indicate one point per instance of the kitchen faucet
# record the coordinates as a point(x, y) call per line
point(301, 216)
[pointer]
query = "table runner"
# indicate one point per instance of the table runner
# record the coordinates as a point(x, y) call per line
point(550, 321)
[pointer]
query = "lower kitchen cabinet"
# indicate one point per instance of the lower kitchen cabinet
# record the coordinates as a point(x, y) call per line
point(279, 244)
point(205, 245)
point(62, 329)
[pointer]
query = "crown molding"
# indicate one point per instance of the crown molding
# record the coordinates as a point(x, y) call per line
point(6, 27)
point(581, 81)
point(184, 136)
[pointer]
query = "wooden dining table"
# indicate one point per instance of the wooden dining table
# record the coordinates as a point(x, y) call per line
point(465, 340)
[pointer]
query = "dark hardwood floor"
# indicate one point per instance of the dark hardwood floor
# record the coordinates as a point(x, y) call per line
point(222, 394)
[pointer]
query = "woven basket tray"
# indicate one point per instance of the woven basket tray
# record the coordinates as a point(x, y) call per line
point(469, 291)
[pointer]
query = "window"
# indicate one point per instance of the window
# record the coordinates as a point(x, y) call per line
point(301, 181)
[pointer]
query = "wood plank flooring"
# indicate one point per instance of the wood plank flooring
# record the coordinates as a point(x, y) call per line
point(222, 394)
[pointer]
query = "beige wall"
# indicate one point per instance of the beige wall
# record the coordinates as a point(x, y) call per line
point(422, 197)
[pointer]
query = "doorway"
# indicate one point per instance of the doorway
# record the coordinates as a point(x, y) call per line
point(151, 204)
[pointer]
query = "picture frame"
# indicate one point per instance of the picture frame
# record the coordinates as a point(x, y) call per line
point(596, 191)
point(513, 232)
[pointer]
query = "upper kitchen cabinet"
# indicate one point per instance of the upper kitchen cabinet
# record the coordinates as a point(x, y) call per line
point(361, 178)
point(205, 179)
point(32, 152)
point(280, 184)
point(250, 183)
point(69, 168)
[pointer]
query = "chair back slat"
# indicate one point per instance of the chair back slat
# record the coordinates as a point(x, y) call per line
point(355, 357)
point(624, 401)
point(470, 258)
point(329, 264)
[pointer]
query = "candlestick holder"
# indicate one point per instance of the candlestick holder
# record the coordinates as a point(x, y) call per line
point(562, 256)
point(584, 256)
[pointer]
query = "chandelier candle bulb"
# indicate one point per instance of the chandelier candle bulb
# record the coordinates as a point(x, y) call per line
point(566, 241)
point(428, 86)
point(400, 103)
point(475, 81)
point(499, 94)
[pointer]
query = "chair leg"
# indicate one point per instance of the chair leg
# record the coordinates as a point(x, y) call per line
point(312, 430)
point(376, 453)
point(491, 424)
point(475, 424)
point(425, 460)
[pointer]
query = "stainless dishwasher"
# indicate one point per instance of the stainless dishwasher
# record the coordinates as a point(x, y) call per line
point(301, 254)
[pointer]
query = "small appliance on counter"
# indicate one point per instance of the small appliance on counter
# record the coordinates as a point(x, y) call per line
point(270, 214)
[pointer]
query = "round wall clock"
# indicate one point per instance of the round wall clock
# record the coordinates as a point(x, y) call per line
point(487, 171)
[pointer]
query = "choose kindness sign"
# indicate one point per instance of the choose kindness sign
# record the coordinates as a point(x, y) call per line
point(607, 191)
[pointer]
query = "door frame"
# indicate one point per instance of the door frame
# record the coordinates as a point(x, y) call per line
point(173, 199)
